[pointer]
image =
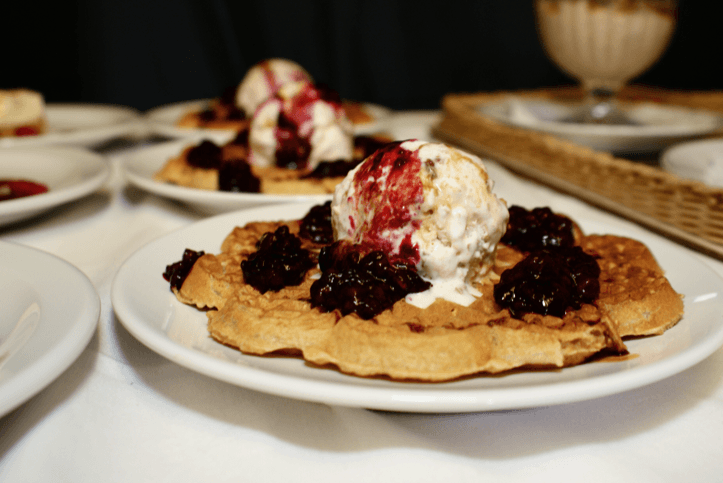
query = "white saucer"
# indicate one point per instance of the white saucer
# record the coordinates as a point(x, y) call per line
point(659, 126)
point(146, 307)
point(140, 166)
point(69, 173)
point(50, 311)
point(696, 160)
point(162, 120)
point(83, 125)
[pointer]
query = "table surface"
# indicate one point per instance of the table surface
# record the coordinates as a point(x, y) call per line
point(123, 413)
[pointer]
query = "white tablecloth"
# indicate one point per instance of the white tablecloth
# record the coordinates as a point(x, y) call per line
point(122, 413)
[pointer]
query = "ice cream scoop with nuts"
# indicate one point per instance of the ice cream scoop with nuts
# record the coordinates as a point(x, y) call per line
point(302, 125)
point(427, 204)
point(264, 79)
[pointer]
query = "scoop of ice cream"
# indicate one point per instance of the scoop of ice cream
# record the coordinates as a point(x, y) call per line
point(19, 107)
point(301, 126)
point(429, 205)
point(264, 79)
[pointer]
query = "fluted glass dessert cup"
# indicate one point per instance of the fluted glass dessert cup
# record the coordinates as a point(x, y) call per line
point(604, 44)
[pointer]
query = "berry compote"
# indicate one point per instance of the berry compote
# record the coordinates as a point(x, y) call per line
point(11, 189)
point(537, 228)
point(316, 225)
point(279, 261)
point(206, 155)
point(363, 283)
point(235, 175)
point(549, 281)
point(292, 150)
point(176, 273)
point(364, 146)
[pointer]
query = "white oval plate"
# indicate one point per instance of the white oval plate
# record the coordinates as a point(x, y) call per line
point(50, 311)
point(83, 125)
point(140, 167)
point(696, 160)
point(659, 126)
point(69, 173)
point(145, 305)
point(162, 120)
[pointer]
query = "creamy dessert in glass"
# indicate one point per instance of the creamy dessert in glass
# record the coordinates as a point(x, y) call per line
point(605, 43)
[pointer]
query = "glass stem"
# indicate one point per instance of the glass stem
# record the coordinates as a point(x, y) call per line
point(601, 105)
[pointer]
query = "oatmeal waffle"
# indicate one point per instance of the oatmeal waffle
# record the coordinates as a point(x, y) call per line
point(444, 341)
point(273, 180)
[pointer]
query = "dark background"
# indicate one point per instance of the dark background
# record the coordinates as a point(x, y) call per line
point(402, 54)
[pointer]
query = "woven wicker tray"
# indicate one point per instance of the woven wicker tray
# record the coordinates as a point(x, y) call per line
point(686, 211)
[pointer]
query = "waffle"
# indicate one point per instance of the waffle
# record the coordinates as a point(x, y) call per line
point(274, 180)
point(444, 341)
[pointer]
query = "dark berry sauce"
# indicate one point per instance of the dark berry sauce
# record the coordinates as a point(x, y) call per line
point(316, 225)
point(365, 284)
point(279, 261)
point(176, 273)
point(367, 145)
point(235, 175)
point(241, 138)
point(26, 131)
point(538, 228)
point(206, 155)
point(293, 130)
point(364, 146)
point(389, 181)
point(11, 189)
point(333, 169)
point(549, 281)
point(292, 150)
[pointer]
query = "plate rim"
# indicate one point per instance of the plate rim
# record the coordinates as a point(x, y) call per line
point(607, 131)
point(196, 196)
point(397, 396)
point(683, 169)
point(158, 126)
point(133, 124)
point(49, 365)
point(29, 206)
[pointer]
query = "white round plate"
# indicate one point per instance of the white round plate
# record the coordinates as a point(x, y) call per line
point(162, 120)
point(83, 125)
point(50, 311)
point(69, 173)
point(658, 126)
point(380, 116)
point(696, 160)
point(145, 305)
point(140, 167)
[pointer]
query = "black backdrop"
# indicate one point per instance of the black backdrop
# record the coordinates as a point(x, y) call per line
point(403, 54)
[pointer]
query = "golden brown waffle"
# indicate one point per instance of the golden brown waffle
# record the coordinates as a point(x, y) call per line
point(274, 180)
point(444, 341)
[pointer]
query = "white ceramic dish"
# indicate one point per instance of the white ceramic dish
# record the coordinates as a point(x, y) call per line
point(697, 160)
point(83, 125)
point(147, 308)
point(658, 126)
point(162, 120)
point(69, 173)
point(50, 311)
point(140, 167)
